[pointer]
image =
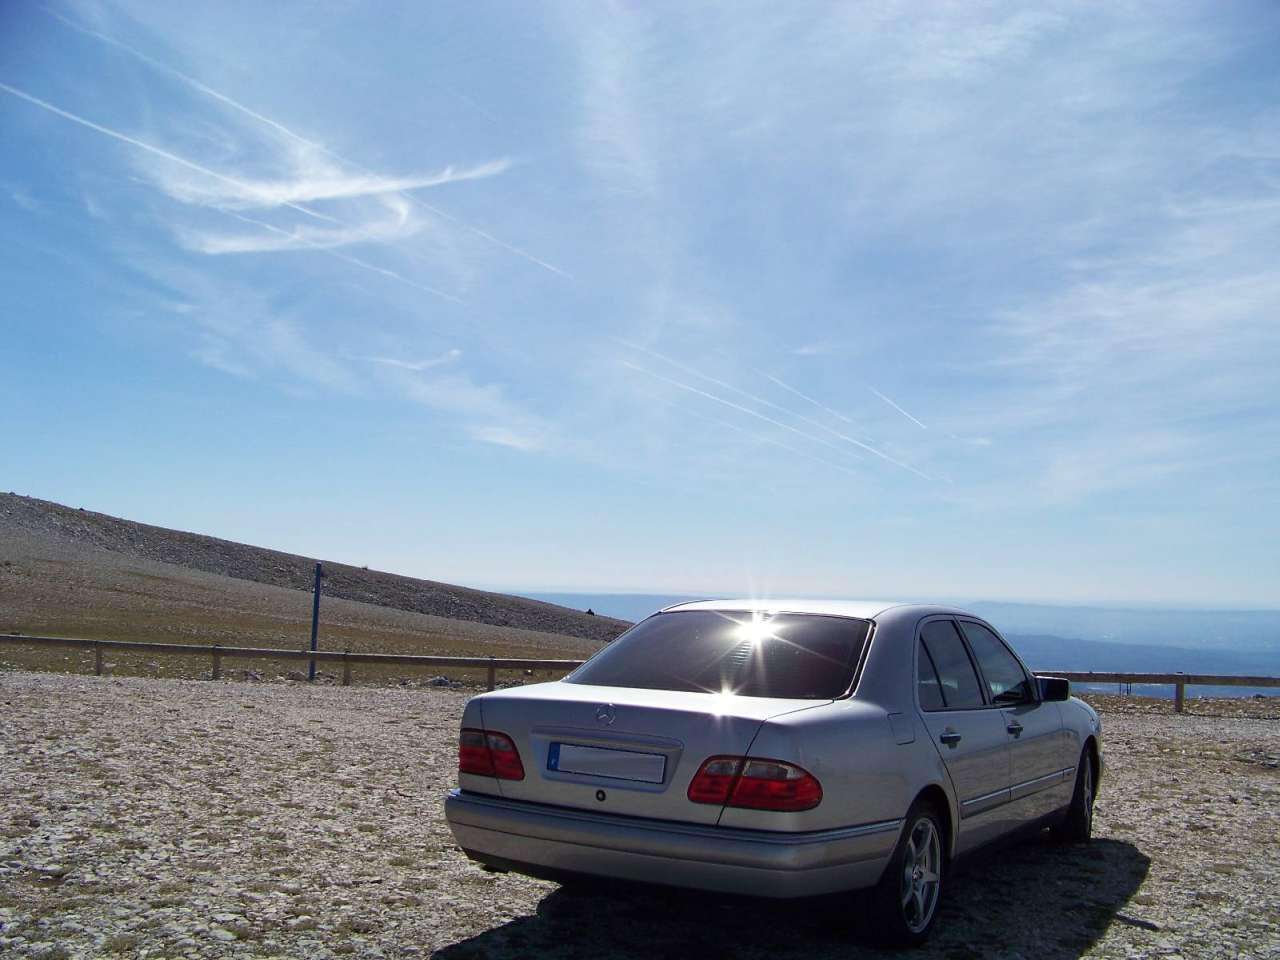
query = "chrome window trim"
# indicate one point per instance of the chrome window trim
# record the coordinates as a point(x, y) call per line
point(971, 808)
point(1044, 782)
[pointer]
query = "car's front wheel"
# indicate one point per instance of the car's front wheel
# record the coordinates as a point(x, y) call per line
point(904, 904)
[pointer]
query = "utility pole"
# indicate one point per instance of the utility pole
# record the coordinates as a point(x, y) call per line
point(315, 622)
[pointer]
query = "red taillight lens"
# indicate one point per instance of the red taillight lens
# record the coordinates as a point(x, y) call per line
point(714, 781)
point(773, 785)
point(489, 755)
point(755, 784)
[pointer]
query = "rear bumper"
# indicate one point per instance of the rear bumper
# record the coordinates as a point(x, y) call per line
point(546, 841)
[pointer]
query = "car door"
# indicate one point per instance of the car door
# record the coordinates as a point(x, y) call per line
point(969, 736)
point(1034, 728)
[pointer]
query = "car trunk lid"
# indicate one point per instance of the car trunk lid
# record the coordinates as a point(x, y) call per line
point(622, 750)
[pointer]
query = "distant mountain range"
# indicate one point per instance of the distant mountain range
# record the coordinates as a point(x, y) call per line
point(85, 573)
point(1256, 631)
point(1051, 637)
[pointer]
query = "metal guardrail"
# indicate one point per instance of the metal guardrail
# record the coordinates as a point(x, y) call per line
point(1179, 681)
point(217, 652)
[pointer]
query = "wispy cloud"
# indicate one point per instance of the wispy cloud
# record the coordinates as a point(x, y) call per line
point(508, 437)
point(323, 184)
point(362, 183)
point(396, 225)
point(24, 200)
point(296, 237)
point(241, 333)
point(485, 411)
point(812, 350)
point(149, 148)
point(418, 366)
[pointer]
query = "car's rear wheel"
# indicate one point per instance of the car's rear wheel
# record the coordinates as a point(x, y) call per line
point(904, 903)
point(1077, 825)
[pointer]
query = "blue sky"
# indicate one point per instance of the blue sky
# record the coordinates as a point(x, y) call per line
point(854, 299)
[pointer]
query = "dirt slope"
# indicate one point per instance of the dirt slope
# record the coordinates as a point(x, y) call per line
point(38, 538)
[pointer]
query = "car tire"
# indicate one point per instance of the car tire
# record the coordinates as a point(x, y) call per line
point(904, 904)
point(1077, 825)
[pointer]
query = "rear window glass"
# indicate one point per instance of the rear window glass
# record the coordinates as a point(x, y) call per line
point(794, 656)
point(959, 684)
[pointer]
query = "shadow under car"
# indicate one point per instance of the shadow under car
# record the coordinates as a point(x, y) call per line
point(1033, 898)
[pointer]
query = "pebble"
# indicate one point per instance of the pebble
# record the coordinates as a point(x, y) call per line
point(204, 829)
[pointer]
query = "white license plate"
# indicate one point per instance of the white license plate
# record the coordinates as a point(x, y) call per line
point(606, 762)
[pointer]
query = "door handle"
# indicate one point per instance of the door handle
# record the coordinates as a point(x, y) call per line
point(1014, 728)
point(950, 738)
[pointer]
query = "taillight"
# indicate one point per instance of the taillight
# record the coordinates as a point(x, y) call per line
point(489, 755)
point(755, 784)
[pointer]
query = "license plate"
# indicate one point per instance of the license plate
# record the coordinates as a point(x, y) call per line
point(607, 762)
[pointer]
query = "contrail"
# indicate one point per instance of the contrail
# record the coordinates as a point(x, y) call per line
point(761, 438)
point(732, 406)
point(231, 180)
point(179, 75)
point(116, 135)
point(769, 403)
point(898, 408)
point(702, 376)
point(804, 396)
point(298, 138)
point(345, 257)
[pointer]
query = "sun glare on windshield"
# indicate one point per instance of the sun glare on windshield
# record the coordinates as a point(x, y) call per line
point(756, 630)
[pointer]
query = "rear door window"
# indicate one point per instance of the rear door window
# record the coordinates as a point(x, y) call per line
point(956, 677)
point(1007, 682)
point(927, 681)
point(787, 655)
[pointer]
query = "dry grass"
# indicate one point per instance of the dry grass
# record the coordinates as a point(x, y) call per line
point(67, 598)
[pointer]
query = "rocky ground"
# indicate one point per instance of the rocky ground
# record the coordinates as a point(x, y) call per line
point(168, 818)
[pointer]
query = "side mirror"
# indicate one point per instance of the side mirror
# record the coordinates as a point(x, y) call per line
point(1054, 688)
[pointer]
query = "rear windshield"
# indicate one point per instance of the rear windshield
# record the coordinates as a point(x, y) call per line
point(788, 655)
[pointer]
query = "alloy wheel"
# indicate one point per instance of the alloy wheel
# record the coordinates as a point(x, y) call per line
point(921, 875)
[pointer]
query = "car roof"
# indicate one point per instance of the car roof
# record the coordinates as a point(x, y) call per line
point(861, 609)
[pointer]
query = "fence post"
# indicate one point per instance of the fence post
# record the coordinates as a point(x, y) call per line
point(315, 622)
point(346, 669)
point(217, 663)
point(492, 676)
point(97, 659)
point(1179, 696)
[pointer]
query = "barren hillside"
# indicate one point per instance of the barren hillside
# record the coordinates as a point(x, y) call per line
point(69, 571)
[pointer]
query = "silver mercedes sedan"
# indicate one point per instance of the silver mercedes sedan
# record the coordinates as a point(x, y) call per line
point(779, 749)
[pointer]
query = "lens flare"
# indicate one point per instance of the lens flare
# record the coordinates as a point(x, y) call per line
point(756, 630)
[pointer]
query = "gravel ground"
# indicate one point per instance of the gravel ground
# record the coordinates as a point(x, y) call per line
point(165, 818)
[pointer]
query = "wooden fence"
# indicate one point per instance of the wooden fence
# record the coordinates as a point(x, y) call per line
point(217, 652)
point(1179, 681)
